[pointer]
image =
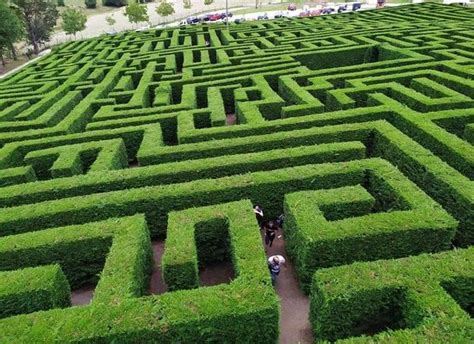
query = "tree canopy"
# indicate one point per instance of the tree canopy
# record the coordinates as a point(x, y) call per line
point(40, 17)
point(11, 28)
point(165, 8)
point(136, 13)
point(74, 20)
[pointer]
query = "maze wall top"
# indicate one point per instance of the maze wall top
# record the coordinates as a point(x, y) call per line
point(361, 124)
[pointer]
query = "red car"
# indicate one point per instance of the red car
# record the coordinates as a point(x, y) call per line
point(215, 17)
point(315, 13)
point(304, 14)
point(291, 7)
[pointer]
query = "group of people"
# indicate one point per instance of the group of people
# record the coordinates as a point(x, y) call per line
point(270, 228)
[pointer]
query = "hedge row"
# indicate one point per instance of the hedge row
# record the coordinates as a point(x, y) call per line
point(339, 226)
point(33, 289)
point(117, 249)
point(247, 308)
point(184, 171)
point(415, 299)
point(69, 160)
point(216, 233)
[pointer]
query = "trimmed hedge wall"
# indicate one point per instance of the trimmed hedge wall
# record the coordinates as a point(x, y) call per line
point(413, 294)
point(33, 289)
point(339, 226)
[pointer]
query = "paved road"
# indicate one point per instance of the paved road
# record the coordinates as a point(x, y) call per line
point(96, 24)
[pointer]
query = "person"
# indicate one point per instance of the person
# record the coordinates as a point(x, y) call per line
point(274, 265)
point(279, 221)
point(270, 232)
point(258, 215)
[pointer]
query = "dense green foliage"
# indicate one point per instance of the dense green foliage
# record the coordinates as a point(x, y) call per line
point(358, 127)
point(421, 298)
point(74, 21)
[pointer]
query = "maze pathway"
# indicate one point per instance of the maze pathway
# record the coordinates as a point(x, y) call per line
point(129, 164)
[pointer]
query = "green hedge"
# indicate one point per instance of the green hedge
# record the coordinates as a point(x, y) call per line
point(117, 249)
point(419, 298)
point(339, 226)
point(33, 289)
point(216, 233)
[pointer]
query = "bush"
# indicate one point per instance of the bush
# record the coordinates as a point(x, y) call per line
point(91, 3)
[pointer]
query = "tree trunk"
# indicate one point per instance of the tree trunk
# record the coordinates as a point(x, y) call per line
point(35, 47)
point(12, 48)
point(3, 60)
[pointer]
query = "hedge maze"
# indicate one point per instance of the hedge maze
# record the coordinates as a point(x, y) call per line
point(359, 127)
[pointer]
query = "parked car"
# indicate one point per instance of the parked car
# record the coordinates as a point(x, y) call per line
point(215, 17)
point(315, 13)
point(192, 20)
point(342, 8)
point(239, 20)
point(280, 15)
point(223, 15)
point(327, 10)
point(304, 14)
point(262, 17)
point(356, 6)
point(205, 17)
point(292, 7)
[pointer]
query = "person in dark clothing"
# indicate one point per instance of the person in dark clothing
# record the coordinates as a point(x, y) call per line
point(270, 232)
point(258, 215)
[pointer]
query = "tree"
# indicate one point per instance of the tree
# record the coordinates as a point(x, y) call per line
point(40, 17)
point(187, 3)
point(91, 3)
point(12, 29)
point(165, 8)
point(136, 13)
point(61, 3)
point(74, 20)
point(110, 20)
point(208, 2)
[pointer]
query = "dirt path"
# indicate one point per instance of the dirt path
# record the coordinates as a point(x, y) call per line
point(294, 321)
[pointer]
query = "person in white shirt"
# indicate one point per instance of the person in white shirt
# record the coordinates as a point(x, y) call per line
point(274, 265)
point(258, 215)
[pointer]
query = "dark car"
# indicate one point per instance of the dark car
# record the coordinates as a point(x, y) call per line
point(262, 17)
point(327, 10)
point(205, 18)
point(342, 8)
point(192, 20)
point(239, 20)
point(280, 15)
point(223, 15)
point(291, 7)
point(356, 6)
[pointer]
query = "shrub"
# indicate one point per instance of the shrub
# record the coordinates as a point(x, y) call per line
point(91, 3)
